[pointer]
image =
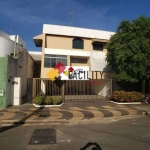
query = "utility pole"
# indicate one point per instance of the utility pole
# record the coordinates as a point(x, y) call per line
point(71, 17)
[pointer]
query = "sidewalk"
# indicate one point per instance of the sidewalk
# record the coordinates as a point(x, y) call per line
point(70, 112)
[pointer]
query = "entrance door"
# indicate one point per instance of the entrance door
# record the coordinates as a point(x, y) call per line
point(15, 91)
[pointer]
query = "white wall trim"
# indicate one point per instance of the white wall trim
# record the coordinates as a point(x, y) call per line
point(71, 52)
point(77, 32)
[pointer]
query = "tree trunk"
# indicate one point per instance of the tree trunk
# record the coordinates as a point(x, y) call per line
point(143, 86)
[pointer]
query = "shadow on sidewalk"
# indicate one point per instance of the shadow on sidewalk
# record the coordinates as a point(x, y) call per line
point(21, 121)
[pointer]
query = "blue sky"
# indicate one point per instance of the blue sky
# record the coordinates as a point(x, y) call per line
point(26, 17)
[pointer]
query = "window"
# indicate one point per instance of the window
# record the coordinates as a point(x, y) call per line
point(77, 43)
point(51, 60)
point(78, 60)
point(98, 46)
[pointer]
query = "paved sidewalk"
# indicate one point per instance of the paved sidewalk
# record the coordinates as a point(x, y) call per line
point(70, 112)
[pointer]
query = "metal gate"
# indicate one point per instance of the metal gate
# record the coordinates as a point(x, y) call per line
point(73, 89)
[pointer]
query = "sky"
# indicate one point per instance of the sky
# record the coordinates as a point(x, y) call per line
point(26, 17)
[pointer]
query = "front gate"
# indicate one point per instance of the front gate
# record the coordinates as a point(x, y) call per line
point(73, 89)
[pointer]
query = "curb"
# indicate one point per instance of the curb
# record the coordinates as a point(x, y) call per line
point(132, 103)
point(39, 106)
point(32, 122)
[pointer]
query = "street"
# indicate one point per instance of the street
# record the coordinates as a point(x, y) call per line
point(130, 133)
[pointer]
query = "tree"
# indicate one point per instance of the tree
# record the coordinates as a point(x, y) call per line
point(129, 51)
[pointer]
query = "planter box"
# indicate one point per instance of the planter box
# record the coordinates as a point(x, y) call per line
point(48, 105)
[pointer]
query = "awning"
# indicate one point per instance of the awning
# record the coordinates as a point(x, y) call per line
point(38, 40)
point(100, 40)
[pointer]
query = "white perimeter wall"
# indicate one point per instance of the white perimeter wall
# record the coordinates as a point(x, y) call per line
point(7, 47)
point(101, 87)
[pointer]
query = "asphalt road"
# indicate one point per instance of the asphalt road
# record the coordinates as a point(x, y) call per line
point(127, 134)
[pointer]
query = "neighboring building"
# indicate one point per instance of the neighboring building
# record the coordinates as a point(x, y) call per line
point(7, 43)
point(15, 62)
point(74, 47)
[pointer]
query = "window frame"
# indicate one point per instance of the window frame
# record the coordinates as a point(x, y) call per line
point(77, 41)
point(98, 48)
point(78, 62)
point(48, 56)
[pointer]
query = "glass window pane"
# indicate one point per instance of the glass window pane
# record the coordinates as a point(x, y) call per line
point(78, 43)
point(53, 62)
point(64, 61)
point(97, 46)
point(59, 60)
point(46, 62)
point(78, 60)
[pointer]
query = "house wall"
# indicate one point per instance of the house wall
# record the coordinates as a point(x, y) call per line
point(19, 40)
point(3, 34)
point(55, 44)
point(22, 70)
point(11, 72)
point(3, 80)
point(63, 42)
point(30, 69)
point(20, 67)
point(7, 47)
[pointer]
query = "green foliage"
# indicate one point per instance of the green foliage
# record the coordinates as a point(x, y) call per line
point(48, 100)
point(122, 96)
point(42, 99)
point(56, 100)
point(42, 94)
point(129, 51)
point(39, 100)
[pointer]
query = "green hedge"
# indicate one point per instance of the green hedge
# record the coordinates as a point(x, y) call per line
point(41, 99)
point(122, 96)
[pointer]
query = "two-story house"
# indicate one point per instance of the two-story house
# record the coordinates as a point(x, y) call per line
point(76, 47)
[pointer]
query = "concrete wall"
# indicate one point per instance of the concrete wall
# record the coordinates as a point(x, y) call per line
point(101, 87)
point(11, 72)
point(20, 67)
point(3, 80)
point(30, 70)
point(3, 34)
point(63, 42)
point(96, 61)
point(19, 40)
point(7, 47)
point(76, 32)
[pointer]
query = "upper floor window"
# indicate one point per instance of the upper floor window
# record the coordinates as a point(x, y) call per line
point(78, 43)
point(97, 46)
point(50, 61)
point(78, 60)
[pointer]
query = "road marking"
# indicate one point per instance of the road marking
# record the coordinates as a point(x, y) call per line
point(7, 115)
point(77, 115)
point(130, 111)
point(112, 110)
point(92, 107)
point(76, 108)
point(54, 115)
point(13, 110)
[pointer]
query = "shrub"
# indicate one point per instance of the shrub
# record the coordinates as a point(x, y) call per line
point(39, 100)
point(56, 100)
point(42, 94)
point(48, 100)
point(122, 96)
